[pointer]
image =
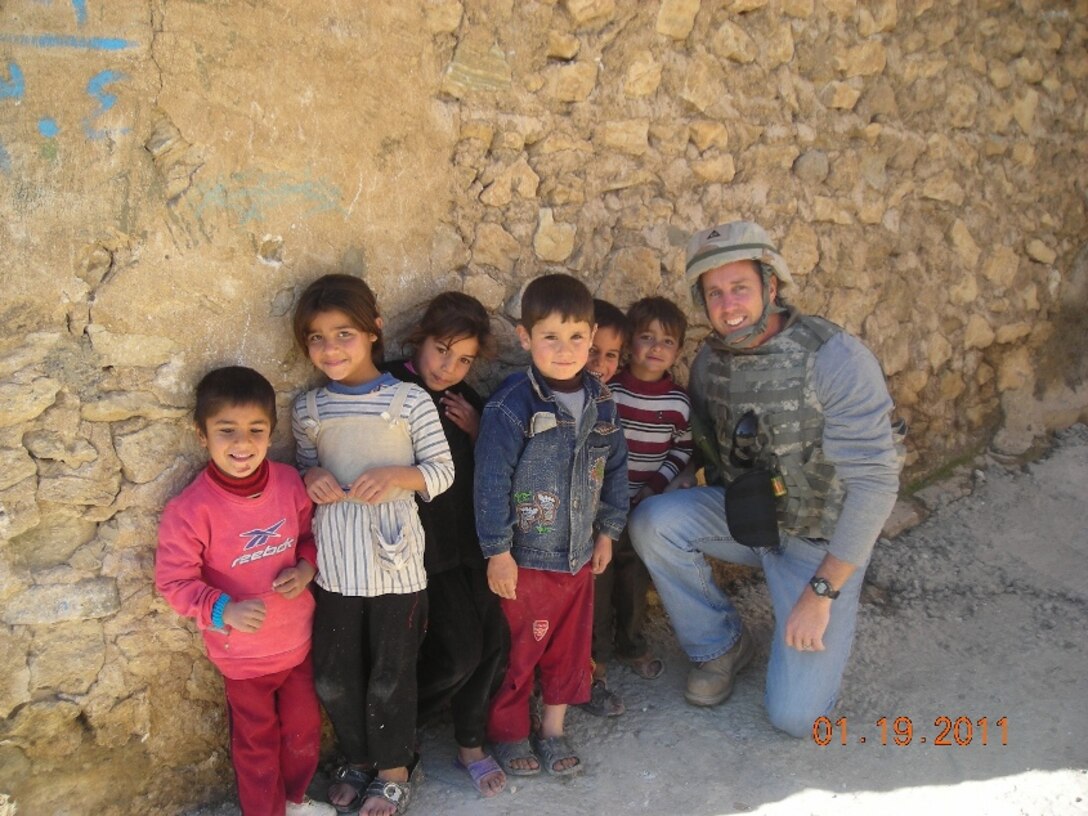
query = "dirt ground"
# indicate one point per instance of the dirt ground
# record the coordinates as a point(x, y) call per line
point(977, 614)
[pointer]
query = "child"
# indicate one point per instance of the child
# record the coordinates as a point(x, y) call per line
point(463, 654)
point(550, 498)
point(236, 553)
point(367, 444)
point(609, 341)
point(655, 414)
point(609, 344)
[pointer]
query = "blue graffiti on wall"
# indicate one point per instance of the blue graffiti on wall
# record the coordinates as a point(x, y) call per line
point(97, 90)
point(11, 88)
point(14, 86)
point(80, 8)
point(13, 83)
point(249, 195)
point(59, 41)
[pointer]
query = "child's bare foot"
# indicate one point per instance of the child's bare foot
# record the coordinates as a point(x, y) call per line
point(487, 775)
point(525, 764)
point(600, 671)
point(646, 666)
point(516, 758)
point(349, 786)
point(555, 753)
point(387, 794)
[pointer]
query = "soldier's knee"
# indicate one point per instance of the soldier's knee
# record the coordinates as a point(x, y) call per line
point(793, 718)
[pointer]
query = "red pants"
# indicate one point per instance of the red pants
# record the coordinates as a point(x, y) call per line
point(275, 737)
point(551, 629)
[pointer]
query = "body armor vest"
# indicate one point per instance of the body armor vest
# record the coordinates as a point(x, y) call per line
point(774, 381)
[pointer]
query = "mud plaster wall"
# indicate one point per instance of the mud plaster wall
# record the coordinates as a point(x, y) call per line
point(172, 173)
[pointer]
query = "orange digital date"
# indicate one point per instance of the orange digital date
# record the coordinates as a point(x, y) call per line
point(950, 731)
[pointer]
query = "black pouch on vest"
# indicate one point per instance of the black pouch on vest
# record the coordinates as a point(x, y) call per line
point(750, 510)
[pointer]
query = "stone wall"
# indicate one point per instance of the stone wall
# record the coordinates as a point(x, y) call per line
point(172, 173)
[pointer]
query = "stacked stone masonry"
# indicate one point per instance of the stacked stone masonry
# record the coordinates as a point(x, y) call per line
point(173, 173)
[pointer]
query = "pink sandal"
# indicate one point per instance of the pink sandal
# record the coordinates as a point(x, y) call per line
point(480, 770)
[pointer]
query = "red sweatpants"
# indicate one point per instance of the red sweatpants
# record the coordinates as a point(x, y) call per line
point(275, 737)
point(551, 629)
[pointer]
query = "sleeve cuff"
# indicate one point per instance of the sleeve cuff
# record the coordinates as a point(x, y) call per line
point(217, 610)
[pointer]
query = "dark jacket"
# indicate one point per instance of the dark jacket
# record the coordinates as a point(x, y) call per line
point(449, 523)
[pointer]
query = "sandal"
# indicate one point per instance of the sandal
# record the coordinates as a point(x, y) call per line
point(509, 752)
point(480, 770)
point(398, 794)
point(552, 750)
point(358, 779)
point(645, 666)
point(603, 702)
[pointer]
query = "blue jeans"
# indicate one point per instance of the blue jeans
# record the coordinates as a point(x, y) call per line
point(672, 533)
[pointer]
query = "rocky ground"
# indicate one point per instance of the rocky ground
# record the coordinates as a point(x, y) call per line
point(978, 613)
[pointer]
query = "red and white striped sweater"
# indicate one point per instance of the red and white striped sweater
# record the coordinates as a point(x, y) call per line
point(655, 418)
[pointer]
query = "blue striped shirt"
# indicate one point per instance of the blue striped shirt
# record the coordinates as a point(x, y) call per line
point(349, 559)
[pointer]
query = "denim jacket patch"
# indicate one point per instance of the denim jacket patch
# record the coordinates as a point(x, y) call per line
point(541, 422)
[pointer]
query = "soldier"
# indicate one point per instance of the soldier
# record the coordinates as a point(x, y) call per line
point(791, 418)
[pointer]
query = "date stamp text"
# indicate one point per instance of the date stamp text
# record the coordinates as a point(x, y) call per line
point(947, 732)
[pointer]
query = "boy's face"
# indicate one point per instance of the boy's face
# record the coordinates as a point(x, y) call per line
point(605, 352)
point(559, 348)
point(653, 351)
point(444, 363)
point(236, 438)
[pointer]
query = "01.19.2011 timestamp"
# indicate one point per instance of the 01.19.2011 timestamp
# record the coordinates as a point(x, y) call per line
point(948, 731)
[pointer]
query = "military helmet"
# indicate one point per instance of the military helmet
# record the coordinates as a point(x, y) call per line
point(736, 241)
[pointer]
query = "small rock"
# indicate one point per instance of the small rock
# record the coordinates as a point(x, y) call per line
point(1038, 251)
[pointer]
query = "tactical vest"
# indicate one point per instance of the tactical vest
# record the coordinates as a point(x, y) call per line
point(773, 380)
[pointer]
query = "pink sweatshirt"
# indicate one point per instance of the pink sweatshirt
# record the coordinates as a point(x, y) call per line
point(211, 542)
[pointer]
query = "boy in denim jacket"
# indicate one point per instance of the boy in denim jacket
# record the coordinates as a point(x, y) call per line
point(551, 496)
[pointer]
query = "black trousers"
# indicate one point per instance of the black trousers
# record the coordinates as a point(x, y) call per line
point(365, 652)
point(619, 604)
point(463, 657)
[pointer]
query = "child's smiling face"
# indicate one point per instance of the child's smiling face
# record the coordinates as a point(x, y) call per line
point(653, 351)
point(444, 363)
point(340, 349)
point(236, 438)
point(559, 348)
point(605, 353)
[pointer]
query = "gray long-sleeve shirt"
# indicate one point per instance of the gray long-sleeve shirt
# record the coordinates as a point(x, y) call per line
point(858, 440)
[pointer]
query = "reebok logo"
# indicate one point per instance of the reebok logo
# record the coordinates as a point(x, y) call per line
point(270, 550)
point(258, 537)
point(260, 544)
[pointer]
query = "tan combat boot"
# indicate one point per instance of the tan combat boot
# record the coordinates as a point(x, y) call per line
point(712, 682)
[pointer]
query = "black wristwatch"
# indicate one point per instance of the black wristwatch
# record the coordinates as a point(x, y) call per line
point(822, 587)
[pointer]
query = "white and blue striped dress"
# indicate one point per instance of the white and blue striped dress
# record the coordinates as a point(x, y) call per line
point(371, 549)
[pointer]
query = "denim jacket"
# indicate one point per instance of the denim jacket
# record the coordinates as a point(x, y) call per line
point(543, 490)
